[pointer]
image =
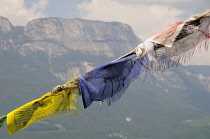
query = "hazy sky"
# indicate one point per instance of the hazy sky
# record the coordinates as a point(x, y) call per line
point(146, 17)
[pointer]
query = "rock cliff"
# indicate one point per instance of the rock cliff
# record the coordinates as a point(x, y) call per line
point(57, 38)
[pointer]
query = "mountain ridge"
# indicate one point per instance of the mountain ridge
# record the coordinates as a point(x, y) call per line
point(56, 37)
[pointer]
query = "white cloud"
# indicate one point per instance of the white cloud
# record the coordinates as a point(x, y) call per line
point(153, 1)
point(40, 5)
point(18, 14)
point(146, 20)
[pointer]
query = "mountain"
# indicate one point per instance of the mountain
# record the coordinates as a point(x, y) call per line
point(49, 51)
point(59, 40)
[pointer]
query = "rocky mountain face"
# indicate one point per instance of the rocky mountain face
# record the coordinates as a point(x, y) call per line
point(57, 38)
point(181, 77)
point(5, 25)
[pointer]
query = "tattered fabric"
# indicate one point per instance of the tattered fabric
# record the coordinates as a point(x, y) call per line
point(48, 106)
point(181, 41)
point(108, 82)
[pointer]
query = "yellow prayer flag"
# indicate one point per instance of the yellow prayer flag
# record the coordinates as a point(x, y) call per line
point(48, 106)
